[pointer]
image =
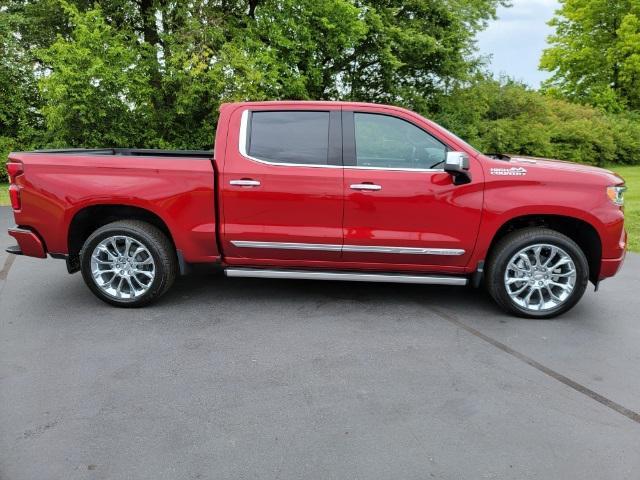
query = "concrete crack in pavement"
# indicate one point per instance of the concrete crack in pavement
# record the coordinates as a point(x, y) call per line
point(7, 266)
point(635, 416)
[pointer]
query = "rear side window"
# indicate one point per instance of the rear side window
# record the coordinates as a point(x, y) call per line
point(289, 137)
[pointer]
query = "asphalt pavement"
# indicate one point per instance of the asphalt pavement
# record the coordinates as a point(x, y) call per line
point(271, 379)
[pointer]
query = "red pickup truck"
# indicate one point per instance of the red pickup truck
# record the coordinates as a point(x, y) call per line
point(323, 190)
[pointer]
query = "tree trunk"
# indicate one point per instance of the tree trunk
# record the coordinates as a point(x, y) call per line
point(252, 7)
point(152, 38)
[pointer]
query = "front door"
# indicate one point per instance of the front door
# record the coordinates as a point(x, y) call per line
point(281, 186)
point(402, 210)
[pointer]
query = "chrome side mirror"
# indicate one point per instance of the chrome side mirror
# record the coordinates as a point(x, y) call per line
point(457, 165)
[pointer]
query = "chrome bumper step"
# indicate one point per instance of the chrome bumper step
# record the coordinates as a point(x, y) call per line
point(14, 249)
point(346, 276)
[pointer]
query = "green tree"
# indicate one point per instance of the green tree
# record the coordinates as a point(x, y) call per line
point(153, 72)
point(19, 99)
point(99, 90)
point(595, 53)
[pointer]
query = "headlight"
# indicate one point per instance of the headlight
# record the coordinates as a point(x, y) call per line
point(616, 194)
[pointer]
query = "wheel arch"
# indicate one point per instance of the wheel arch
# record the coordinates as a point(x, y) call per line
point(579, 230)
point(88, 219)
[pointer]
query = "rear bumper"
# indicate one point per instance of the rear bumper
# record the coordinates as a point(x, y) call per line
point(28, 242)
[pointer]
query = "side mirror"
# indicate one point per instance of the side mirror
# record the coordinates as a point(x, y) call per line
point(457, 165)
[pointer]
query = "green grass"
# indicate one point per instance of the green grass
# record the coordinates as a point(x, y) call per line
point(4, 194)
point(631, 203)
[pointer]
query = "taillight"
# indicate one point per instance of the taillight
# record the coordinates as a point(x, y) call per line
point(14, 195)
point(14, 169)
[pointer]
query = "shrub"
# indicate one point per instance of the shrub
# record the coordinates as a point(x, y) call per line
point(507, 117)
point(6, 146)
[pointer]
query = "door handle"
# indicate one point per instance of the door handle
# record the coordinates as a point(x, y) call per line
point(366, 186)
point(245, 182)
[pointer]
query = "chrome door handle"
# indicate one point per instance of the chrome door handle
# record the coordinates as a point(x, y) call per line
point(366, 186)
point(245, 182)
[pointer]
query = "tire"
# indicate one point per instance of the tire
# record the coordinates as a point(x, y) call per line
point(137, 279)
point(554, 290)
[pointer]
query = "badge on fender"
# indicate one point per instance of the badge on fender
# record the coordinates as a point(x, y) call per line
point(513, 171)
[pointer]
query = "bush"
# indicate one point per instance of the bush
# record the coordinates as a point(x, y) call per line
point(580, 134)
point(507, 117)
point(6, 146)
point(626, 137)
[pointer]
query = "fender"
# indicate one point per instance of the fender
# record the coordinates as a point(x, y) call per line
point(493, 221)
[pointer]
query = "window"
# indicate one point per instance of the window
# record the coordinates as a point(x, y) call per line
point(289, 137)
point(389, 142)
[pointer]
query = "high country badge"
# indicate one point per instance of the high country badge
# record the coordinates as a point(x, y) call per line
point(513, 171)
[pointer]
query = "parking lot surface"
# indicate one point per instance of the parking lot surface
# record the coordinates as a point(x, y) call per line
point(245, 378)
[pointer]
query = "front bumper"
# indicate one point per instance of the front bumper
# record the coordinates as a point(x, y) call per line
point(28, 243)
point(610, 266)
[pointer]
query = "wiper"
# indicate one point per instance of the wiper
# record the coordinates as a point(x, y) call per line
point(498, 156)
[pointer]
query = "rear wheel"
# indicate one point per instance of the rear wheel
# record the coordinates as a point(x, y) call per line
point(128, 263)
point(537, 273)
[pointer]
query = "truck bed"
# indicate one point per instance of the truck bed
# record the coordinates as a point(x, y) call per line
point(63, 188)
point(136, 152)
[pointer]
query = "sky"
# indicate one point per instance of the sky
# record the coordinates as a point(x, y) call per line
point(515, 41)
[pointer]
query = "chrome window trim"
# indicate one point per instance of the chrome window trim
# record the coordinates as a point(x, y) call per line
point(419, 170)
point(242, 148)
point(325, 247)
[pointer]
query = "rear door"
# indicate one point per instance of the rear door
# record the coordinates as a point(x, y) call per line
point(281, 185)
point(402, 210)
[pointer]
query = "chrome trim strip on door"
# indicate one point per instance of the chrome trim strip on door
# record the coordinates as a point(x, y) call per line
point(346, 276)
point(242, 148)
point(349, 248)
point(326, 247)
point(403, 250)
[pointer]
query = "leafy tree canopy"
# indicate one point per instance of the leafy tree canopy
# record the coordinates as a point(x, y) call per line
point(153, 72)
point(595, 53)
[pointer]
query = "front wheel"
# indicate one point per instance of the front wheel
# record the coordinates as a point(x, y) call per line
point(537, 273)
point(128, 263)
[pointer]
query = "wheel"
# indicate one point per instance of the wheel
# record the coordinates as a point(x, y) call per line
point(128, 263)
point(537, 273)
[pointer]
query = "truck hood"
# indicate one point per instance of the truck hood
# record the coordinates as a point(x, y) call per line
point(538, 163)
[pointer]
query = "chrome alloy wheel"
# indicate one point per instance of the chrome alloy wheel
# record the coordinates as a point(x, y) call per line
point(122, 267)
point(540, 277)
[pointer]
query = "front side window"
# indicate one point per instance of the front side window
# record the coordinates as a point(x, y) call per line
point(289, 137)
point(383, 141)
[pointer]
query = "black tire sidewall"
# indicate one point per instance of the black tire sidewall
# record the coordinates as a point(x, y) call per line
point(512, 245)
point(157, 285)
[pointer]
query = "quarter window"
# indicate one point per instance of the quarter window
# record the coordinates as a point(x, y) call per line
point(383, 141)
point(289, 137)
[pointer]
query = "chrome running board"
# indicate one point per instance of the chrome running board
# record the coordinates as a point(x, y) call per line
point(346, 276)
